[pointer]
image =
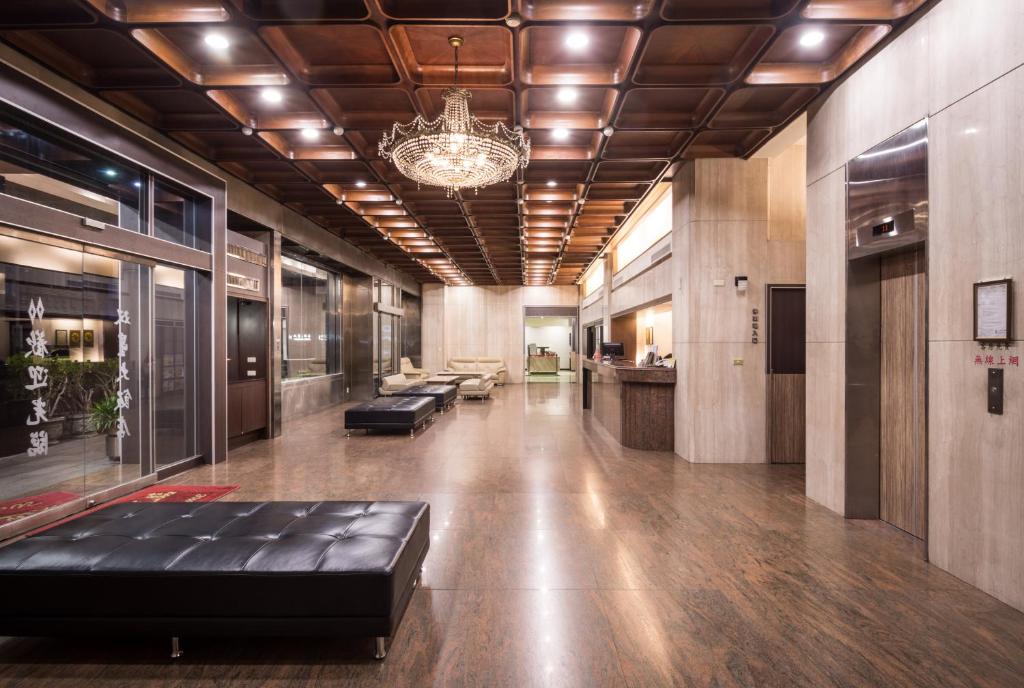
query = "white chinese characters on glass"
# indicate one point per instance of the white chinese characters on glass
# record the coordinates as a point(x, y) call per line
point(39, 440)
point(124, 396)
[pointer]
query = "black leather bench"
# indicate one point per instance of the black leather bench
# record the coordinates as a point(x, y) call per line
point(245, 568)
point(390, 413)
point(444, 396)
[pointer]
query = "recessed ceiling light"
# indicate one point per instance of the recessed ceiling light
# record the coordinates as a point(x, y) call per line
point(217, 41)
point(310, 134)
point(577, 40)
point(567, 95)
point(271, 95)
point(607, 131)
point(513, 20)
point(338, 131)
point(561, 133)
point(811, 38)
point(552, 182)
point(361, 184)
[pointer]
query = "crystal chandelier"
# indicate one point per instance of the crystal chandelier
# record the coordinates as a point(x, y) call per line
point(456, 150)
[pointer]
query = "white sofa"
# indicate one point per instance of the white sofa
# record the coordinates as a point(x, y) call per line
point(412, 372)
point(479, 365)
point(477, 388)
point(396, 383)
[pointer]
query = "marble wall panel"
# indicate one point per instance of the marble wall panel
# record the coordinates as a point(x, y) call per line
point(826, 424)
point(730, 189)
point(826, 258)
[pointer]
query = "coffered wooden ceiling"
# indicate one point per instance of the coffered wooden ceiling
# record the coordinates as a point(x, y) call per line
point(293, 96)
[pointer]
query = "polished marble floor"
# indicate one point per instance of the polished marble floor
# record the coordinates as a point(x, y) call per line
point(561, 559)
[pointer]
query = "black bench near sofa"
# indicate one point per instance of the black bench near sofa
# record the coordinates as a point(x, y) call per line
point(444, 396)
point(219, 568)
point(390, 413)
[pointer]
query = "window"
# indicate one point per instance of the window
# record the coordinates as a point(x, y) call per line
point(179, 217)
point(652, 223)
point(47, 168)
point(595, 280)
point(309, 325)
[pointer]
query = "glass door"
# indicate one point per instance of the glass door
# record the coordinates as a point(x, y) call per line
point(69, 367)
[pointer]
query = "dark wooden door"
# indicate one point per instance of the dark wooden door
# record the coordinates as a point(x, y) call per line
point(785, 337)
point(902, 442)
point(247, 367)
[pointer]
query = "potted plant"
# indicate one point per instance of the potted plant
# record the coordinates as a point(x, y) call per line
point(104, 417)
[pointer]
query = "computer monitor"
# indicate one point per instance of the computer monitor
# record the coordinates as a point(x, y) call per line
point(613, 349)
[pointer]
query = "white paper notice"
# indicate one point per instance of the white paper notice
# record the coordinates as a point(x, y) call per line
point(992, 312)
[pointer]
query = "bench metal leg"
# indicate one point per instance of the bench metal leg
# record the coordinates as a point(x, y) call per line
point(175, 648)
point(348, 433)
point(381, 649)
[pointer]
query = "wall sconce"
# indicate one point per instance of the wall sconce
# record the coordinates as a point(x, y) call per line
point(741, 283)
point(648, 336)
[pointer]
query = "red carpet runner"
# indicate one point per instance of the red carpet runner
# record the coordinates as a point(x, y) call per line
point(13, 509)
point(153, 494)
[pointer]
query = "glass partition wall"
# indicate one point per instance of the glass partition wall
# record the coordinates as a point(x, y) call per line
point(98, 348)
point(387, 330)
point(310, 326)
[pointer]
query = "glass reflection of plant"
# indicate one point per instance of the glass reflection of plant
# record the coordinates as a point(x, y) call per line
point(71, 385)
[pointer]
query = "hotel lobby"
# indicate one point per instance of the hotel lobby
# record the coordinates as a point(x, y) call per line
point(511, 343)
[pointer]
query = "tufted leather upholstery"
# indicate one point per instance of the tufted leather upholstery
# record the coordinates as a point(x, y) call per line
point(443, 395)
point(220, 560)
point(399, 413)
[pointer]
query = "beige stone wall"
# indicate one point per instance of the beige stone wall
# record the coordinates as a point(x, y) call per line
point(961, 68)
point(731, 217)
point(483, 321)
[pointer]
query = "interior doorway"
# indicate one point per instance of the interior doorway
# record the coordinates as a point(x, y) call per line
point(902, 438)
point(785, 388)
point(550, 348)
point(247, 370)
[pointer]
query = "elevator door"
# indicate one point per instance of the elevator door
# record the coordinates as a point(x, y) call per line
point(902, 412)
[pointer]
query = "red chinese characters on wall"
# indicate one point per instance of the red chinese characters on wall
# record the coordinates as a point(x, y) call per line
point(997, 359)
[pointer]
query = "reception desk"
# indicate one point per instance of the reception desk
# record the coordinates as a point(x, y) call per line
point(543, 363)
point(635, 405)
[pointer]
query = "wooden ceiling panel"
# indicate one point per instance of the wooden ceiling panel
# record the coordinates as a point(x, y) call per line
point(726, 144)
point(789, 61)
point(697, 10)
point(171, 109)
point(73, 52)
point(245, 61)
point(762, 107)
point(294, 96)
point(638, 145)
point(714, 54)
point(547, 56)
point(162, 11)
point(290, 108)
point(667, 108)
point(301, 10)
point(882, 10)
point(366, 108)
point(568, 106)
point(485, 59)
point(469, 10)
point(329, 54)
point(586, 10)
point(44, 13)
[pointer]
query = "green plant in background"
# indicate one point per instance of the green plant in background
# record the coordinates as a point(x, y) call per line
point(104, 414)
point(59, 372)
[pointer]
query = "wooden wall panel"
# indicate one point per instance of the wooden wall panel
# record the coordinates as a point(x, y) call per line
point(786, 417)
point(902, 427)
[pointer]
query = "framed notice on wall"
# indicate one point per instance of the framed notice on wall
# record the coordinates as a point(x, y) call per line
point(993, 311)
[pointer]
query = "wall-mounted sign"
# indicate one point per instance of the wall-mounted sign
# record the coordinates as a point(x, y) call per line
point(248, 255)
point(993, 311)
point(243, 282)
